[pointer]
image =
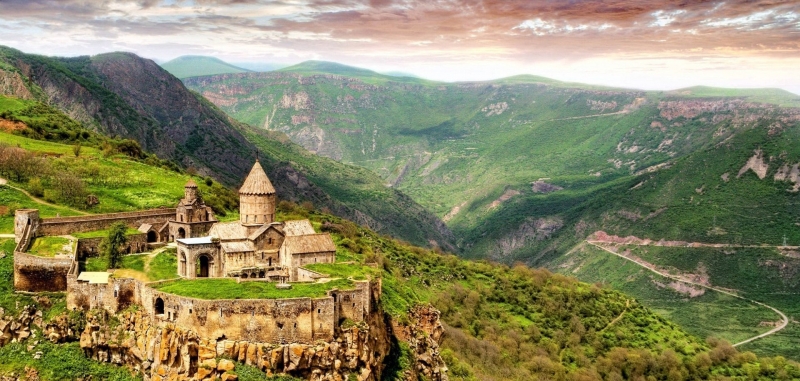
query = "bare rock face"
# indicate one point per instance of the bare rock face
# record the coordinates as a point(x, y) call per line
point(15, 329)
point(423, 333)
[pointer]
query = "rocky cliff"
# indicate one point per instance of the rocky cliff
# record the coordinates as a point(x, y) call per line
point(166, 352)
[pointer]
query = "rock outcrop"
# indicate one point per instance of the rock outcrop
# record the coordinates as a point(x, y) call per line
point(423, 333)
point(167, 352)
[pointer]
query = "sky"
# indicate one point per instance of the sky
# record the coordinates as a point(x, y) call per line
point(644, 44)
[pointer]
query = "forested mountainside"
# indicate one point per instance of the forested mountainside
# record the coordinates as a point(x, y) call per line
point(124, 96)
point(499, 322)
point(521, 166)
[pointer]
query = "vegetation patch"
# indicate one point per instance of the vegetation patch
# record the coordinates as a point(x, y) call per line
point(103, 233)
point(226, 288)
point(50, 246)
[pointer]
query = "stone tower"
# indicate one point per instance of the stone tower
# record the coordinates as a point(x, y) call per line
point(257, 198)
point(190, 191)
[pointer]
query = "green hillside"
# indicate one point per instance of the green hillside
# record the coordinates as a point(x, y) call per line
point(501, 322)
point(149, 112)
point(195, 66)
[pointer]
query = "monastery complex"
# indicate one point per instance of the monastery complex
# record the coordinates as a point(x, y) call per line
point(256, 248)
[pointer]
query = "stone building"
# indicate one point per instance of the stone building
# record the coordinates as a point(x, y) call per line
point(256, 246)
point(192, 217)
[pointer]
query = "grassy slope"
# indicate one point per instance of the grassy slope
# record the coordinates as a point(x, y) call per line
point(710, 314)
point(502, 323)
point(193, 66)
point(119, 183)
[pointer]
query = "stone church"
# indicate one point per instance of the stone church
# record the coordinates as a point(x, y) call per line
point(256, 246)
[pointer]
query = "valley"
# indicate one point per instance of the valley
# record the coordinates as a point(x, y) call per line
point(520, 170)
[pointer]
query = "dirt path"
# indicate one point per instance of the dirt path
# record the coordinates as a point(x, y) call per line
point(648, 266)
point(616, 319)
point(38, 200)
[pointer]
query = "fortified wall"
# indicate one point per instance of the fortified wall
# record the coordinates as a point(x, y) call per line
point(77, 224)
point(280, 321)
point(34, 274)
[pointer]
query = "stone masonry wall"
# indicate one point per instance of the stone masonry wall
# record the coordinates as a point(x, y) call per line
point(90, 247)
point(299, 320)
point(68, 225)
point(36, 274)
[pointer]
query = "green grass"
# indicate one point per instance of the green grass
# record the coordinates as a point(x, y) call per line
point(132, 262)
point(339, 270)
point(50, 246)
point(163, 266)
point(13, 199)
point(225, 288)
point(59, 362)
point(103, 233)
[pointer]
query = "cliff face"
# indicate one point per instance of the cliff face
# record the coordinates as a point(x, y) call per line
point(171, 353)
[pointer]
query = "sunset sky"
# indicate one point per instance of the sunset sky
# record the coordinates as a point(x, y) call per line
point(663, 44)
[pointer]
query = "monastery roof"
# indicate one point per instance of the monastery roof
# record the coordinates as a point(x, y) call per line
point(264, 228)
point(228, 230)
point(298, 227)
point(310, 243)
point(257, 182)
point(94, 277)
point(190, 184)
point(237, 247)
point(195, 241)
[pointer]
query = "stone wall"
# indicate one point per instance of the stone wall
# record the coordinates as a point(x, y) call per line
point(36, 274)
point(90, 247)
point(25, 218)
point(169, 352)
point(69, 225)
point(117, 295)
point(299, 320)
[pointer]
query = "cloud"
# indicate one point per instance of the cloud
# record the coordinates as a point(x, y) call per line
point(515, 33)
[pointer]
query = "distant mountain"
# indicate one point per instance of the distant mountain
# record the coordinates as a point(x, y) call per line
point(121, 94)
point(400, 74)
point(193, 66)
point(259, 66)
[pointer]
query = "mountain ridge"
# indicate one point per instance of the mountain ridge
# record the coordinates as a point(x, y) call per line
point(121, 94)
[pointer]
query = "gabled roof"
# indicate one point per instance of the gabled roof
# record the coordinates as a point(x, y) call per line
point(253, 236)
point(144, 228)
point(228, 230)
point(298, 227)
point(237, 247)
point(257, 182)
point(310, 243)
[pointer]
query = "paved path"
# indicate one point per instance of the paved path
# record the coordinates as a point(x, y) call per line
point(40, 201)
point(785, 319)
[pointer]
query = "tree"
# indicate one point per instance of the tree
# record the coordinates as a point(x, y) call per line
point(76, 149)
point(110, 246)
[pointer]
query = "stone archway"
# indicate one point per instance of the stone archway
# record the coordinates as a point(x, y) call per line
point(204, 263)
point(181, 233)
point(159, 306)
point(152, 237)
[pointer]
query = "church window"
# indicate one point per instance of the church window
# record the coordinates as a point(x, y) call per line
point(181, 218)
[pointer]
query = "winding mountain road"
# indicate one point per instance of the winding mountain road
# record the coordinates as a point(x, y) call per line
point(648, 266)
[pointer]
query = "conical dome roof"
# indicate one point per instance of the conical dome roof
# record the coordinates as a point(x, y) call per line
point(190, 184)
point(257, 182)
